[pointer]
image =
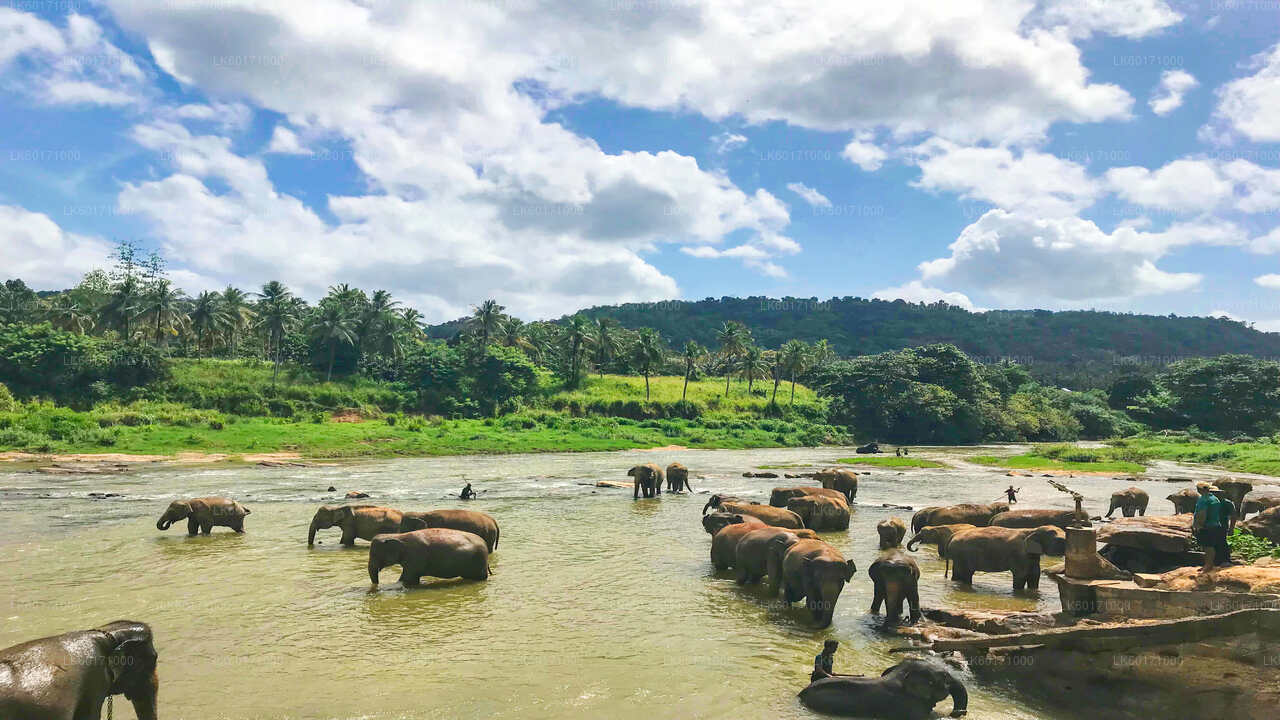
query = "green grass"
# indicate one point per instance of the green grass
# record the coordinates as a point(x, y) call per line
point(624, 396)
point(894, 461)
point(1034, 461)
point(1262, 458)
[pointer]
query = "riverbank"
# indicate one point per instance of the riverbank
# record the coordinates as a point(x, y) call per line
point(1134, 455)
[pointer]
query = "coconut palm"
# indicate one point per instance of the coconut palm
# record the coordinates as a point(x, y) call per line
point(163, 304)
point(278, 313)
point(692, 353)
point(794, 358)
point(68, 314)
point(235, 303)
point(605, 340)
point(577, 335)
point(647, 351)
point(122, 306)
point(733, 338)
point(486, 319)
point(206, 317)
point(754, 366)
point(332, 324)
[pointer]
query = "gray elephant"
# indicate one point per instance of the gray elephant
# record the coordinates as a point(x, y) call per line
point(202, 514)
point(1035, 518)
point(841, 479)
point(782, 495)
point(713, 502)
point(759, 553)
point(437, 552)
point(718, 520)
point(70, 676)
point(891, 532)
point(356, 521)
point(895, 577)
point(780, 517)
point(969, 513)
point(816, 572)
point(724, 544)
point(472, 521)
point(939, 535)
point(820, 513)
point(906, 691)
point(678, 478)
point(1130, 501)
point(1236, 490)
point(648, 478)
point(1000, 549)
point(1184, 501)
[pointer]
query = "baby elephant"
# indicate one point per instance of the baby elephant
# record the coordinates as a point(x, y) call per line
point(203, 513)
point(437, 552)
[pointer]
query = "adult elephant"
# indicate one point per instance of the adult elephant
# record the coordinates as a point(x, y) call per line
point(713, 502)
point(759, 553)
point(356, 521)
point(939, 535)
point(1259, 500)
point(896, 578)
point(1001, 549)
point(718, 520)
point(840, 479)
point(678, 478)
point(202, 514)
point(724, 544)
point(70, 676)
point(437, 552)
point(969, 513)
point(816, 572)
point(891, 532)
point(1184, 501)
point(472, 521)
point(821, 513)
point(648, 479)
point(868, 449)
point(1035, 518)
point(782, 495)
point(1236, 490)
point(1130, 501)
point(906, 691)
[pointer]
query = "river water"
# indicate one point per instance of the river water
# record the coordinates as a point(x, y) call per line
point(599, 606)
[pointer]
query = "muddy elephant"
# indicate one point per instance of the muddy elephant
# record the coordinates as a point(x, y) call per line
point(70, 676)
point(718, 520)
point(356, 521)
point(816, 572)
point(891, 532)
point(778, 517)
point(724, 544)
point(1184, 501)
point(782, 495)
point(939, 535)
point(834, 478)
point(759, 553)
point(1035, 518)
point(648, 479)
point(896, 578)
point(472, 521)
point(1001, 549)
point(1265, 524)
point(1236, 490)
point(678, 478)
point(969, 513)
point(437, 552)
point(906, 691)
point(1130, 501)
point(821, 513)
point(1259, 500)
point(202, 514)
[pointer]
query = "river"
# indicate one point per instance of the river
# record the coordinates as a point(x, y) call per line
point(599, 606)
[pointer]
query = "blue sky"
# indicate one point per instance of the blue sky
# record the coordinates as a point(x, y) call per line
point(1119, 155)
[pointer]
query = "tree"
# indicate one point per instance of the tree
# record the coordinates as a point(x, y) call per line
point(605, 340)
point(164, 304)
point(486, 318)
point(733, 339)
point(647, 351)
point(122, 306)
point(578, 334)
point(754, 366)
point(66, 313)
point(235, 304)
point(206, 317)
point(331, 325)
point(277, 314)
point(692, 353)
point(794, 356)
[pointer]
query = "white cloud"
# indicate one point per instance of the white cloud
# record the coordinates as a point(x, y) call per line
point(1198, 185)
point(35, 248)
point(1271, 281)
point(1125, 18)
point(72, 65)
point(811, 196)
point(917, 292)
point(865, 154)
point(1033, 181)
point(1167, 96)
point(727, 142)
point(1266, 244)
point(285, 142)
point(1251, 105)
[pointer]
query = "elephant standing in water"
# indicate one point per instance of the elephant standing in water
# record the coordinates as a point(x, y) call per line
point(70, 676)
point(760, 552)
point(906, 691)
point(1129, 501)
point(821, 513)
point(998, 549)
point(356, 521)
point(472, 521)
point(783, 495)
point(780, 517)
point(1035, 518)
point(718, 520)
point(845, 481)
point(678, 478)
point(891, 532)
point(202, 514)
point(816, 572)
point(979, 515)
point(939, 535)
point(438, 552)
point(1184, 501)
point(648, 478)
point(896, 578)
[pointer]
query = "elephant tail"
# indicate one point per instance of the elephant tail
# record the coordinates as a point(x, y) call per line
point(497, 535)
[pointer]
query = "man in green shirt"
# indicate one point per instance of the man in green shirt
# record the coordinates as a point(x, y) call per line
point(1227, 521)
point(1207, 523)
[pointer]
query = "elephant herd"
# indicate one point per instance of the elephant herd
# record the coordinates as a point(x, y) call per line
point(1247, 500)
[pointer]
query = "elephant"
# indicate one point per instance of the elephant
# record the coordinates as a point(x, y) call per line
point(438, 552)
point(718, 520)
point(891, 532)
point(760, 552)
point(714, 501)
point(1259, 500)
point(724, 544)
point(678, 478)
point(868, 449)
point(1035, 518)
point(979, 515)
point(1129, 501)
point(471, 521)
point(1236, 490)
point(1184, 501)
point(648, 478)
point(834, 478)
point(821, 513)
point(782, 495)
point(939, 535)
point(1265, 524)
point(1000, 549)
point(896, 578)
point(815, 571)
point(70, 676)
point(778, 517)
point(203, 513)
point(906, 691)
point(356, 521)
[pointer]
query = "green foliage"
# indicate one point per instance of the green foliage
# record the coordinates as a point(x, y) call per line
point(7, 403)
point(42, 360)
point(1228, 394)
point(1246, 548)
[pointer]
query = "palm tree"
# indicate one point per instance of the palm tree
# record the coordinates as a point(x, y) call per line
point(66, 313)
point(821, 355)
point(277, 314)
point(122, 306)
point(413, 322)
point(235, 303)
point(647, 351)
point(333, 324)
point(754, 366)
point(692, 352)
point(733, 339)
point(606, 342)
point(163, 303)
point(487, 319)
point(578, 334)
point(514, 333)
point(206, 316)
point(774, 359)
point(794, 356)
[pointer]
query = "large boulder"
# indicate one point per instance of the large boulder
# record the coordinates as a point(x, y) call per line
point(1259, 500)
point(1265, 524)
point(1263, 576)
point(1159, 533)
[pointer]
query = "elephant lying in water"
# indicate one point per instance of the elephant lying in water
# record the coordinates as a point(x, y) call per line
point(70, 676)
point(472, 521)
point(816, 572)
point(906, 691)
point(203, 514)
point(999, 549)
point(979, 515)
point(356, 521)
point(437, 552)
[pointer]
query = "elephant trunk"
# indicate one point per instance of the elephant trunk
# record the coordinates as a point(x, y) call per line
point(311, 534)
point(959, 698)
point(710, 504)
point(144, 699)
point(163, 523)
point(914, 542)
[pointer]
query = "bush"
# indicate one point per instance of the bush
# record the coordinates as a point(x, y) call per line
point(7, 403)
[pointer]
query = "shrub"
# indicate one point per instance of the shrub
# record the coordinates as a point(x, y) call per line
point(7, 403)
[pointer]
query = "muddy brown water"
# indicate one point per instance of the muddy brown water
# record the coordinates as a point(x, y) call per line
point(599, 606)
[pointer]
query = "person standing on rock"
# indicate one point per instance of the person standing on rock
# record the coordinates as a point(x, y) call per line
point(1227, 519)
point(1207, 523)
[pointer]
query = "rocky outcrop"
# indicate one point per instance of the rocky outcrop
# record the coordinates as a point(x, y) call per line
point(1263, 576)
point(1161, 533)
point(1265, 524)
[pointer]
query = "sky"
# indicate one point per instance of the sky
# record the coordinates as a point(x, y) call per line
point(557, 154)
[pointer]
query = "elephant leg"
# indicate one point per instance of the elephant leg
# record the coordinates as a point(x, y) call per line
point(409, 579)
point(1142, 511)
point(877, 597)
point(348, 537)
point(1110, 510)
point(961, 573)
point(206, 528)
point(1019, 582)
point(744, 577)
point(193, 525)
point(913, 599)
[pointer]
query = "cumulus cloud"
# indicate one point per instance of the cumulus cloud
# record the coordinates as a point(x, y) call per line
point(811, 196)
point(285, 142)
point(34, 247)
point(1036, 182)
point(1199, 185)
point(1271, 281)
point(917, 292)
point(1167, 96)
point(1124, 18)
point(71, 65)
point(1251, 105)
point(865, 154)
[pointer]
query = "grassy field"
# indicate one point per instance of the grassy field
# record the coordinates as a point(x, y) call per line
point(894, 461)
point(623, 395)
point(1033, 461)
point(1262, 458)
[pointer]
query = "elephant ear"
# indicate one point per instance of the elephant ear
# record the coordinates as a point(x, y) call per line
point(347, 512)
point(853, 570)
point(923, 684)
point(132, 657)
point(1034, 544)
point(195, 506)
point(181, 506)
